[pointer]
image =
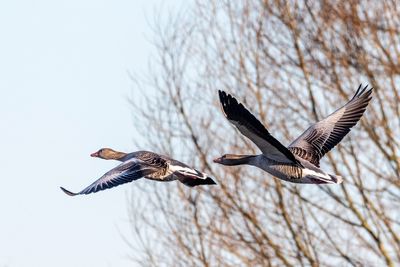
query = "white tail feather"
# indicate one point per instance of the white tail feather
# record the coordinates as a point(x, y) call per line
point(322, 177)
point(187, 171)
point(337, 178)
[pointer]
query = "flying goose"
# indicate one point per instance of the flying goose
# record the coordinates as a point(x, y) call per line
point(299, 162)
point(140, 164)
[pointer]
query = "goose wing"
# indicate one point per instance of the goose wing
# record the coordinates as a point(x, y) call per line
point(128, 171)
point(253, 129)
point(322, 136)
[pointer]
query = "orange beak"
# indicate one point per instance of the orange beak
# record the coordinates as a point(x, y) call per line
point(95, 154)
point(217, 160)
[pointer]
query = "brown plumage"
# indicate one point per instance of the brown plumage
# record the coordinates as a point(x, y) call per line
point(141, 164)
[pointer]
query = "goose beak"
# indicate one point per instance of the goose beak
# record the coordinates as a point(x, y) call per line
point(95, 154)
point(217, 160)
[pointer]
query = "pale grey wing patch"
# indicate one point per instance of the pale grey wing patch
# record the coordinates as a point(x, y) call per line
point(316, 139)
point(126, 172)
point(310, 144)
point(322, 136)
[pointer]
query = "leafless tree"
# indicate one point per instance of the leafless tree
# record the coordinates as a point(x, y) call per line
point(291, 63)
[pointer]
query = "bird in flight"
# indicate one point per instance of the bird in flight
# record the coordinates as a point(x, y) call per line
point(299, 162)
point(143, 164)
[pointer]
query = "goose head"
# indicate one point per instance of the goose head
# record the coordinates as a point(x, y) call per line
point(108, 153)
point(232, 160)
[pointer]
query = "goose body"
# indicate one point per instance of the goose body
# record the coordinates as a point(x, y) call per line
point(143, 164)
point(299, 162)
point(307, 174)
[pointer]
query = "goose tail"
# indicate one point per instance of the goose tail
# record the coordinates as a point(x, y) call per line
point(315, 177)
point(191, 177)
point(337, 179)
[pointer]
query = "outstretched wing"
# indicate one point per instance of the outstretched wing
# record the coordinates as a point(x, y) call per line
point(322, 136)
point(128, 171)
point(253, 129)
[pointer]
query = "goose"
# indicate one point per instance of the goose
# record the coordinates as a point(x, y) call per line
point(299, 162)
point(140, 164)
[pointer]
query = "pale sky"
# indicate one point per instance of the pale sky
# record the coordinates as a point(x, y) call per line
point(63, 95)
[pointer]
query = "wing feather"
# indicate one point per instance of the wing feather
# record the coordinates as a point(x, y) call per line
point(322, 136)
point(126, 172)
point(253, 129)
